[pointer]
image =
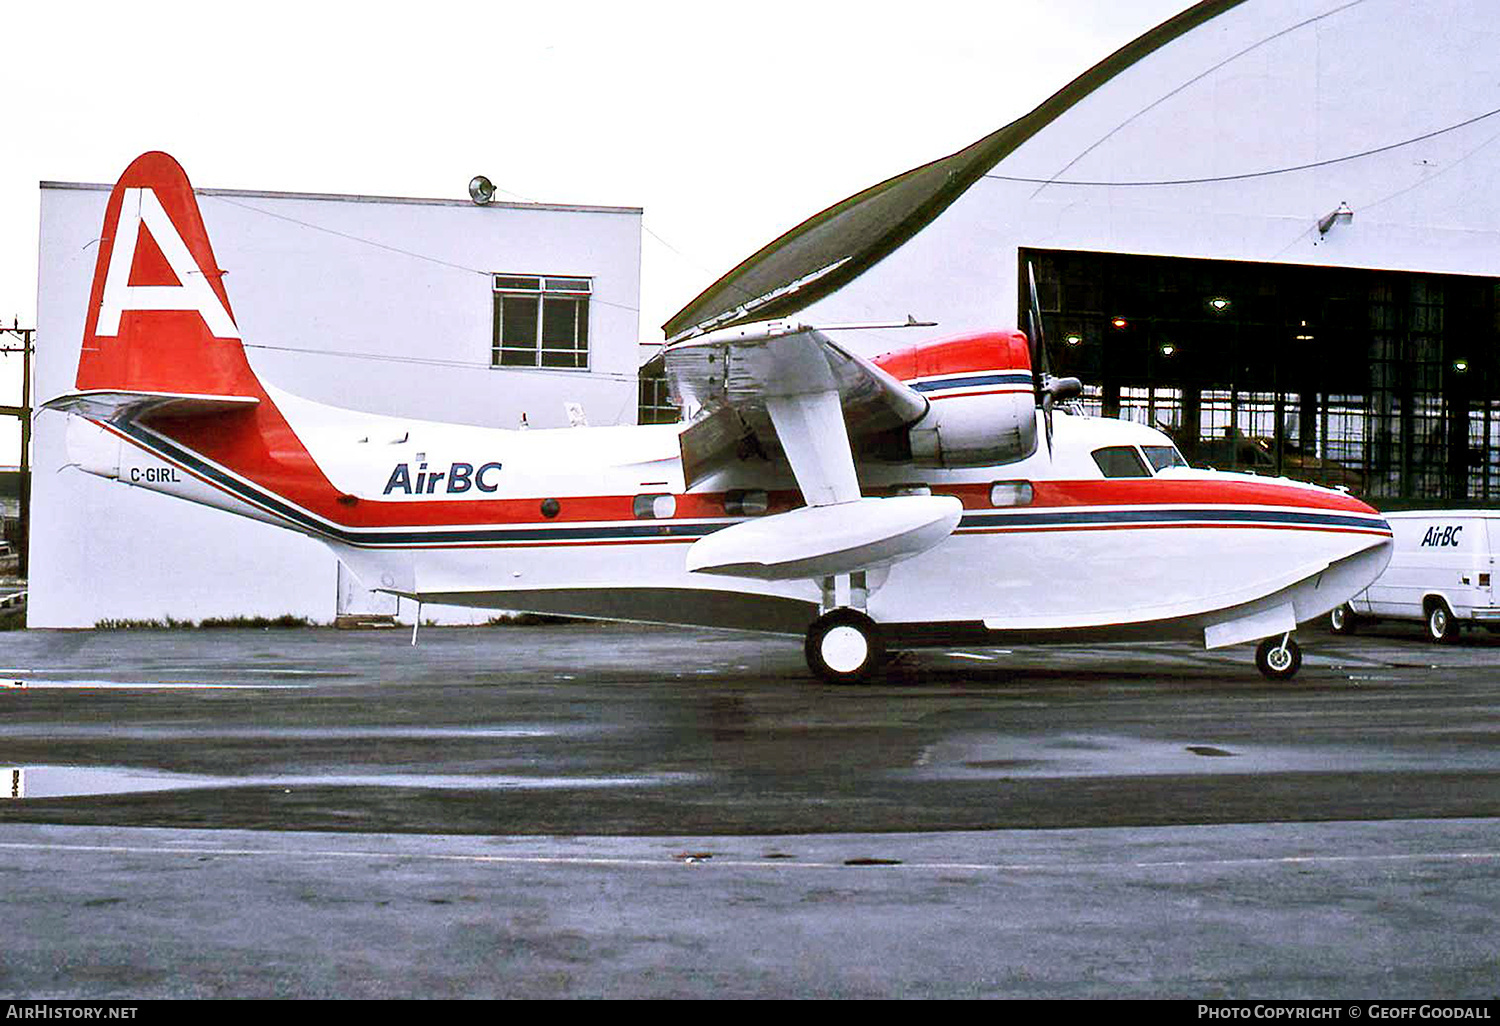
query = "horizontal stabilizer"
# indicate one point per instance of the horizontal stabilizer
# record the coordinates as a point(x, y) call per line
point(115, 406)
point(821, 541)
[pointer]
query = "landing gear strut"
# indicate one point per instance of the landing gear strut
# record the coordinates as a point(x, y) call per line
point(1278, 658)
point(844, 647)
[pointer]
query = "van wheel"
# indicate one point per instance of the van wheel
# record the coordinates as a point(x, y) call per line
point(844, 647)
point(1277, 659)
point(1342, 620)
point(1441, 627)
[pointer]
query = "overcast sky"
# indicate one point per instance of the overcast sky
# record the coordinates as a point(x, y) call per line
point(729, 124)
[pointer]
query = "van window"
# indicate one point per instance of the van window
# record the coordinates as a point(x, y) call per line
point(1120, 461)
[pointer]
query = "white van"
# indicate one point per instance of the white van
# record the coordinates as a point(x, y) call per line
point(1442, 573)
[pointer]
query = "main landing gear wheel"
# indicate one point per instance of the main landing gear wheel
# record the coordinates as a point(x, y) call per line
point(844, 647)
point(1278, 658)
point(1441, 627)
point(1341, 620)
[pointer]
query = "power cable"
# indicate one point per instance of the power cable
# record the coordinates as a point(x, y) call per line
point(429, 361)
point(389, 248)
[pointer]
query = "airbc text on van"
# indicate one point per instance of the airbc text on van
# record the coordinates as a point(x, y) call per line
point(1440, 537)
point(457, 479)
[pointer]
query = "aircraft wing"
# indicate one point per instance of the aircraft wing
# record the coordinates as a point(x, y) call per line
point(775, 384)
point(782, 385)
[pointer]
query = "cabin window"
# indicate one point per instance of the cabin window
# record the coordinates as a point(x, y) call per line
point(1011, 493)
point(1120, 461)
point(751, 503)
point(1163, 456)
point(655, 507)
point(540, 321)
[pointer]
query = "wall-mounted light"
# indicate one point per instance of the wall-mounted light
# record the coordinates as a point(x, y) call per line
point(481, 190)
point(1461, 366)
point(1305, 336)
point(1167, 349)
point(1120, 322)
point(1341, 215)
point(1073, 340)
point(1219, 304)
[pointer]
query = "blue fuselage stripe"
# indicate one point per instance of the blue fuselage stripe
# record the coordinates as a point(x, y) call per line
point(973, 382)
point(665, 529)
point(1210, 514)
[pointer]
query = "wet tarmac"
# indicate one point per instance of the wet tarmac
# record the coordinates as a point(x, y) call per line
point(584, 810)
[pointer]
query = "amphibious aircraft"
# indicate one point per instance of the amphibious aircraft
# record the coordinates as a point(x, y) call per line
point(937, 495)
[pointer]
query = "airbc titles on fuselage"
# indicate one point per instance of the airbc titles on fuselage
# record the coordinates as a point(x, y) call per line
point(457, 479)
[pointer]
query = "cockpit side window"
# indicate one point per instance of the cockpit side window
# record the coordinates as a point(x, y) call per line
point(1163, 456)
point(1121, 461)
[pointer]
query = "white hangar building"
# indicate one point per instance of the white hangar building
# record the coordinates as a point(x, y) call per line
point(1270, 226)
point(423, 308)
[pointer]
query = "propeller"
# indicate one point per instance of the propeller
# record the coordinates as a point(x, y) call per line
point(1049, 390)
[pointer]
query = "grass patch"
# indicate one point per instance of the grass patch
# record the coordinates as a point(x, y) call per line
point(529, 620)
point(264, 623)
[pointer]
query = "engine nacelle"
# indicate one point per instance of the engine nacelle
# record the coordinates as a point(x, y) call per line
point(981, 399)
point(975, 431)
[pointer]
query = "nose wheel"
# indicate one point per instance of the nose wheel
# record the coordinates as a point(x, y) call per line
point(1278, 658)
point(844, 647)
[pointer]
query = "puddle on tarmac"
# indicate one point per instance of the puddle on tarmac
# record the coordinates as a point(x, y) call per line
point(995, 756)
point(189, 733)
point(34, 684)
point(21, 782)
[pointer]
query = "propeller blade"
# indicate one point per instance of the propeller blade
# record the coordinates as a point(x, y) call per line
point(1041, 371)
point(1040, 363)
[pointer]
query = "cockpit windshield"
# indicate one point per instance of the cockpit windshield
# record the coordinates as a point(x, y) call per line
point(1163, 456)
point(1120, 461)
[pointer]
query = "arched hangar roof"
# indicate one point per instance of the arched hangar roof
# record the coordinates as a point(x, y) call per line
point(832, 248)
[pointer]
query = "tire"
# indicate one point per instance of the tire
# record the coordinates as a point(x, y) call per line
point(1276, 662)
point(844, 647)
point(1342, 620)
point(1442, 628)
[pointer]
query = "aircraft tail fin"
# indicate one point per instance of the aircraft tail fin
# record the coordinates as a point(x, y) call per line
point(160, 337)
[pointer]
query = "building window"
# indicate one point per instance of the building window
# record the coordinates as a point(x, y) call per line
point(541, 322)
point(655, 404)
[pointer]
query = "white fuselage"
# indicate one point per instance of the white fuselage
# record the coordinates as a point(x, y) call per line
point(598, 521)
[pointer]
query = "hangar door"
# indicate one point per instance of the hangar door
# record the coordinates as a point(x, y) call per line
point(1384, 382)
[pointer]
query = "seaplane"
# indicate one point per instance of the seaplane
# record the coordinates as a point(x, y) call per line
point(942, 494)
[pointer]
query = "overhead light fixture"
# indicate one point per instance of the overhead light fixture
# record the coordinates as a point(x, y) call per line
point(1219, 303)
point(1461, 365)
point(1340, 215)
point(481, 190)
point(1167, 349)
point(1073, 340)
